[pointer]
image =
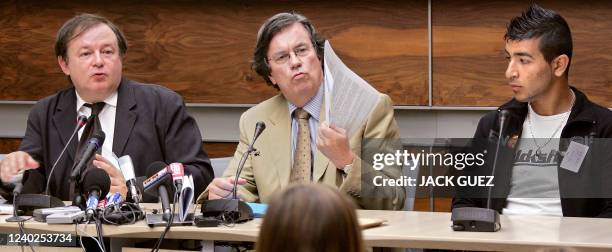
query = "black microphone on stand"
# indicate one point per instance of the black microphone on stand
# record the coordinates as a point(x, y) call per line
point(234, 207)
point(160, 178)
point(477, 219)
point(93, 144)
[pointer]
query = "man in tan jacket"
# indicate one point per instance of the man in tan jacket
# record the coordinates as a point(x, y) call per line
point(298, 145)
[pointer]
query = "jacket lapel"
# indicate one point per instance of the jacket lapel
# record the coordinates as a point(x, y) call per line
point(64, 121)
point(125, 116)
point(281, 151)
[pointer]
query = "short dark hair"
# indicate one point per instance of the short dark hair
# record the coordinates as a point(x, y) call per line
point(269, 29)
point(552, 29)
point(79, 24)
point(310, 217)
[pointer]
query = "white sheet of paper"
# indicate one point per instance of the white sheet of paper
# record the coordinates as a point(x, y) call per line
point(574, 156)
point(186, 198)
point(351, 99)
point(6, 208)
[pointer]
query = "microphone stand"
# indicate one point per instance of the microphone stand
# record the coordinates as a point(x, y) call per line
point(477, 219)
point(234, 208)
point(16, 217)
point(45, 200)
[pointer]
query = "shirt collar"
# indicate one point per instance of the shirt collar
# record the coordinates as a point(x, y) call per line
point(110, 101)
point(313, 107)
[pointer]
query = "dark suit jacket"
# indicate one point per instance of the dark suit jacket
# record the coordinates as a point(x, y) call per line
point(151, 125)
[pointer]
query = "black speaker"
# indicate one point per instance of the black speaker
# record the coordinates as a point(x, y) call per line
point(27, 203)
point(475, 219)
point(232, 210)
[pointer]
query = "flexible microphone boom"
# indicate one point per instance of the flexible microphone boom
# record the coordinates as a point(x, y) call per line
point(93, 144)
point(234, 207)
point(259, 128)
point(477, 219)
point(81, 121)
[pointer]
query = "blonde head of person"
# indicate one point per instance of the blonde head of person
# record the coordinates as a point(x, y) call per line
point(310, 217)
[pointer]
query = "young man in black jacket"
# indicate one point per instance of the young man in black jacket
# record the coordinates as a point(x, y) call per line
point(554, 156)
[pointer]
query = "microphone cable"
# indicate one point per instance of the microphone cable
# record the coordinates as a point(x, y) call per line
point(84, 231)
point(169, 223)
point(23, 233)
point(98, 223)
point(121, 215)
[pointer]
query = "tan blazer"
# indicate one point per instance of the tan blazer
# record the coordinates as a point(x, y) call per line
point(269, 172)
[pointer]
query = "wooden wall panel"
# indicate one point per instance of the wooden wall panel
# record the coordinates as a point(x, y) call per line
point(468, 49)
point(203, 49)
point(214, 149)
point(8, 145)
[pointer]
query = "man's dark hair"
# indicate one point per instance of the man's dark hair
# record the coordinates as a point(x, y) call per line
point(547, 25)
point(269, 29)
point(80, 24)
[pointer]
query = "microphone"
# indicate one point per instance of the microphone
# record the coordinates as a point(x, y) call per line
point(93, 144)
point(163, 183)
point(127, 169)
point(113, 201)
point(477, 219)
point(96, 184)
point(236, 209)
point(503, 115)
point(38, 178)
point(259, 128)
point(81, 121)
point(178, 171)
point(155, 178)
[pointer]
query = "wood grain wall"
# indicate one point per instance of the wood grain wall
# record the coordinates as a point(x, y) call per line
point(202, 49)
point(213, 149)
point(468, 49)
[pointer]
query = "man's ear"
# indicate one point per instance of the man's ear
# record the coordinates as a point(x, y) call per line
point(560, 64)
point(63, 64)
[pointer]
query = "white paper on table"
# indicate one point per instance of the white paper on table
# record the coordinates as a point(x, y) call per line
point(6, 208)
point(186, 198)
point(351, 99)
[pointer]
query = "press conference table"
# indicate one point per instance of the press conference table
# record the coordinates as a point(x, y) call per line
point(401, 229)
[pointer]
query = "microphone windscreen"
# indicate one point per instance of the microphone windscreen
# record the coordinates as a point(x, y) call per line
point(151, 193)
point(127, 167)
point(155, 167)
point(96, 179)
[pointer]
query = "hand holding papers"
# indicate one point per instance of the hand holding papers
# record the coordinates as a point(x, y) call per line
point(349, 99)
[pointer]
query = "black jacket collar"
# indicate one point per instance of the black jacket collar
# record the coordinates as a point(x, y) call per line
point(581, 111)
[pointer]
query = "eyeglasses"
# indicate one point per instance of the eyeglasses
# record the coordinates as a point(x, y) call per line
point(300, 52)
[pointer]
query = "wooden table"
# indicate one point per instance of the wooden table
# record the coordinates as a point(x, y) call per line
point(401, 229)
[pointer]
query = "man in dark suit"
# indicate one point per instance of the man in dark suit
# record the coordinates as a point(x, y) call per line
point(148, 122)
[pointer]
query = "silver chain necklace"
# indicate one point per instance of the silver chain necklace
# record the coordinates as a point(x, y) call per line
point(539, 149)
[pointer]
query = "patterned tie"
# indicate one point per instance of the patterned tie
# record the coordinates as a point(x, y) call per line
point(302, 158)
point(93, 125)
